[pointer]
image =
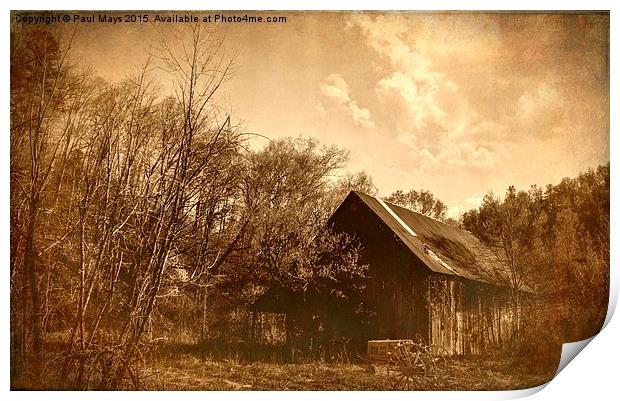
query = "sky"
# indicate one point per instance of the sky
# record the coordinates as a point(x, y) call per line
point(461, 104)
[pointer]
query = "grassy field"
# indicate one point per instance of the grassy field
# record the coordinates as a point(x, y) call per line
point(185, 367)
point(188, 372)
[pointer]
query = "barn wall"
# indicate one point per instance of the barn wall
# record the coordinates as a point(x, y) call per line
point(395, 289)
point(468, 318)
point(399, 299)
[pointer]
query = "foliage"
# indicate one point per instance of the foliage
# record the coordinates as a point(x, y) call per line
point(105, 184)
point(136, 217)
point(555, 242)
point(423, 202)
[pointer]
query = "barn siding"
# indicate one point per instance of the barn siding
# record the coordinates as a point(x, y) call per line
point(468, 318)
point(399, 301)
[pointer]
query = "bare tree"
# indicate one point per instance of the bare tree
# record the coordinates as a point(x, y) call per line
point(47, 102)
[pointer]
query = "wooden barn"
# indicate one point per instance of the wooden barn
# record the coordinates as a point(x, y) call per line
point(428, 280)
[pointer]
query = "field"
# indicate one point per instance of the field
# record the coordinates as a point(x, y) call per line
point(187, 367)
point(189, 372)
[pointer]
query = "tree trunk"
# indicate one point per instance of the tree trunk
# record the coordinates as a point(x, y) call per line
point(34, 326)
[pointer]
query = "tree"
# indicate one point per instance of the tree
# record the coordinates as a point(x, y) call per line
point(555, 242)
point(109, 185)
point(360, 181)
point(423, 202)
point(47, 100)
point(287, 188)
point(193, 147)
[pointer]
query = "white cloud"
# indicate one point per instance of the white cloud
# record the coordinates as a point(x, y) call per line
point(336, 90)
point(455, 212)
point(417, 95)
point(361, 116)
point(539, 100)
point(407, 138)
point(428, 157)
point(465, 154)
point(431, 117)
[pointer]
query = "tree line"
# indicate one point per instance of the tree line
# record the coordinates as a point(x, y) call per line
point(554, 241)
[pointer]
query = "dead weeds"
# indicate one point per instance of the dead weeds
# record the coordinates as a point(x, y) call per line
point(188, 372)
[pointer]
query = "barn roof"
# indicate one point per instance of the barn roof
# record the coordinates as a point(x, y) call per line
point(441, 247)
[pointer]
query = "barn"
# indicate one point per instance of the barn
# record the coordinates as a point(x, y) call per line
point(428, 280)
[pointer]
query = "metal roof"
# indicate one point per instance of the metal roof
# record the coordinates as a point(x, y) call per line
point(441, 247)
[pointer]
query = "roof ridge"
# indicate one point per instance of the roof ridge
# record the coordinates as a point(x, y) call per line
point(409, 210)
point(424, 215)
point(396, 217)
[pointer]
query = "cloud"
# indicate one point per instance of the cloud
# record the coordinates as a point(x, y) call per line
point(430, 114)
point(361, 116)
point(336, 91)
point(541, 110)
point(544, 97)
point(470, 203)
point(428, 156)
point(418, 97)
point(460, 102)
point(470, 155)
point(336, 88)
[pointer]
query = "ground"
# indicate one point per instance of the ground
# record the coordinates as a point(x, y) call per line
point(188, 372)
point(189, 367)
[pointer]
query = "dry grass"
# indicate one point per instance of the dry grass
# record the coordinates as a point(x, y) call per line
point(191, 373)
point(188, 372)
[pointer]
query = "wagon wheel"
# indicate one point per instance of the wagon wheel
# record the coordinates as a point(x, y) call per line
point(415, 362)
point(403, 372)
point(399, 380)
